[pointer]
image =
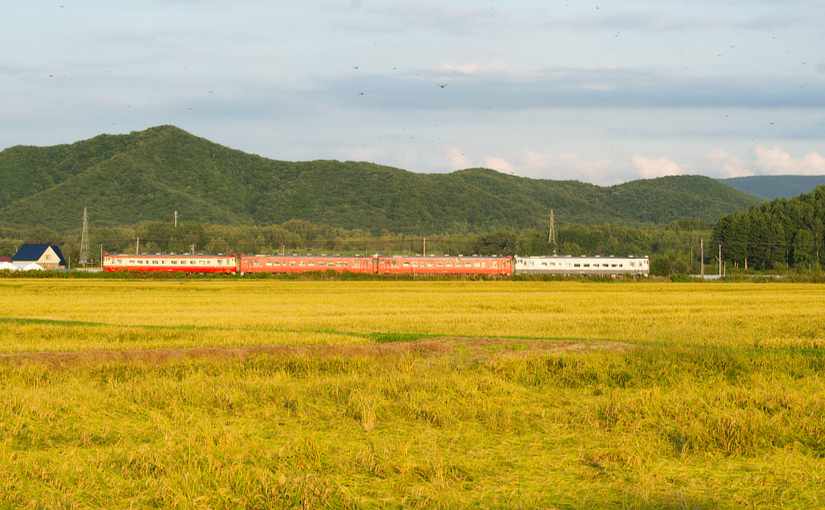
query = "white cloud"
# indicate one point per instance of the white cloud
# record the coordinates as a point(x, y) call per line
point(728, 164)
point(649, 168)
point(565, 165)
point(500, 164)
point(364, 154)
point(458, 160)
point(774, 160)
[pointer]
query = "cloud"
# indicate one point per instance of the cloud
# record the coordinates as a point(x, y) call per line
point(477, 87)
point(672, 20)
point(471, 68)
point(649, 168)
point(774, 160)
point(565, 165)
point(444, 19)
point(457, 159)
point(500, 164)
point(729, 165)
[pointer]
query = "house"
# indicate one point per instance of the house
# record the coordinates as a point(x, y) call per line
point(5, 259)
point(47, 256)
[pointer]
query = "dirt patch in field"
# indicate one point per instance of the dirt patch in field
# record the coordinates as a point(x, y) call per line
point(477, 347)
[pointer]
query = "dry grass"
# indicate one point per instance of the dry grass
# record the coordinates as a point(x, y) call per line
point(218, 394)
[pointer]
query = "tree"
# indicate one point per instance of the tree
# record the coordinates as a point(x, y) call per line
point(803, 251)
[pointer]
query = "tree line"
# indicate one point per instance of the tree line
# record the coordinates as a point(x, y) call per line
point(785, 233)
point(668, 246)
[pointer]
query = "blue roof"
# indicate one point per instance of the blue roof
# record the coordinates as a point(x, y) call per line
point(32, 252)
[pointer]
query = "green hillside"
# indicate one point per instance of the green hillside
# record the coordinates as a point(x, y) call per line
point(126, 179)
point(776, 186)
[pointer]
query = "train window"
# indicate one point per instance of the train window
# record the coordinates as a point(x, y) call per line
point(577, 265)
point(587, 265)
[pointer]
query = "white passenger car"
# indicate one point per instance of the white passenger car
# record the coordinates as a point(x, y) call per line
point(569, 265)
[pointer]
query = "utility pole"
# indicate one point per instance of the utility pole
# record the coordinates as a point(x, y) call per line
point(720, 260)
point(425, 246)
point(137, 246)
point(702, 258)
point(101, 256)
point(84, 240)
point(176, 219)
point(551, 230)
point(193, 249)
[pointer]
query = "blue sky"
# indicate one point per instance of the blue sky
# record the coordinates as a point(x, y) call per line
point(595, 91)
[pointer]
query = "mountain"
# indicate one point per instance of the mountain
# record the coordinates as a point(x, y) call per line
point(146, 175)
point(776, 186)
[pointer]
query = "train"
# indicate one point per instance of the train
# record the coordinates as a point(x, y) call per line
point(384, 265)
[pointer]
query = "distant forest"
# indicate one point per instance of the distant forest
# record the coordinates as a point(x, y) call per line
point(145, 176)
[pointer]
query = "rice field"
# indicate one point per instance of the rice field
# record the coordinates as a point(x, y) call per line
point(377, 394)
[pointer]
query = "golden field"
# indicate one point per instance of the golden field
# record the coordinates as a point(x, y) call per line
point(268, 394)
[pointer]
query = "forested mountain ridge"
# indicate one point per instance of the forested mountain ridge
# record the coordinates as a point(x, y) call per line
point(782, 232)
point(776, 186)
point(146, 175)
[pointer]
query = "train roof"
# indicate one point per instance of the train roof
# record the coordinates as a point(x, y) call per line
point(166, 255)
point(570, 257)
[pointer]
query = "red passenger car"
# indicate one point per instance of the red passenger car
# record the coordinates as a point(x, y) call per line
point(499, 266)
point(171, 263)
point(306, 264)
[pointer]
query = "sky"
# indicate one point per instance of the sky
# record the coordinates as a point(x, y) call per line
point(596, 91)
